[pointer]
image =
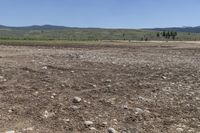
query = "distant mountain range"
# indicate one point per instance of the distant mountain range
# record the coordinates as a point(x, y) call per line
point(42, 27)
point(37, 27)
point(54, 27)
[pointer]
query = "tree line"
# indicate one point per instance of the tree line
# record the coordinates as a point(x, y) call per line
point(167, 34)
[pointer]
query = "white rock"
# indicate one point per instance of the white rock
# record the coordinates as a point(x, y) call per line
point(88, 123)
point(36, 93)
point(139, 111)
point(94, 86)
point(125, 106)
point(74, 107)
point(111, 130)
point(45, 67)
point(108, 80)
point(109, 86)
point(77, 100)
point(105, 123)
point(12, 131)
point(28, 129)
point(179, 129)
point(66, 120)
point(48, 114)
point(115, 120)
point(93, 129)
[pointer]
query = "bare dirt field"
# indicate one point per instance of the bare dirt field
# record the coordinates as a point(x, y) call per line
point(107, 88)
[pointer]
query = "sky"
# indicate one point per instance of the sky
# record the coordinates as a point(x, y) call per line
point(101, 13)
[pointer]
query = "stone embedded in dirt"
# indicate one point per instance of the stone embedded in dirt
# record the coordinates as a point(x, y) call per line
point(45, 67)
point(115, 121)
point(125, 106)
point(12, 131)
point(36, 93)
point(66, 120)
point(108, 80)
point(180, 130)
point(139, 111)
point(94, 86)
point(112, 130)
point(88, 102)
point(28, 129)
point(88, 123)
point(74, 107)
point(72, 71)
point(3, 79)
point(111, 101)
point(109, 86)
point(53, 95)
point(10, 110)
point(93, 128)
point(163, 77)
point(77, 100)
point(105, 123)
point(48, 114)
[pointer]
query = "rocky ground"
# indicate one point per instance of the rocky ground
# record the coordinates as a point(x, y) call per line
point(115, 88)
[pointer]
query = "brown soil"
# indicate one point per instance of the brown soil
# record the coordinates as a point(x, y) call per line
point(135, 88)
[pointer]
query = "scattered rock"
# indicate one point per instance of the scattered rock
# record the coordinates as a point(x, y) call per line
point(105, 123)
point(94, 86)
point(111, 101)
point(66, 120)
point(53, 95)
point(115, 120)
point(77, 100)
point(125, 106)
point(45, 67)
point(3, 79)
point(74, 107)
point(88, 123)
point(109, 86)
point(93, 128)
point(72, 71)
point(179, 129)
point(139, 111)
point(48, 114)
point(10, 110)
point(28, 129)
point(36, 93)
point(108, 80)
point(111, 130)
point(12, 131)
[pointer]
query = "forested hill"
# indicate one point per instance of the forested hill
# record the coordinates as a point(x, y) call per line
point(180, 29)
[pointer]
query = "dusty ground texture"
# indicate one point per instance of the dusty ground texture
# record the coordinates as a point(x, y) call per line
point(132, 88)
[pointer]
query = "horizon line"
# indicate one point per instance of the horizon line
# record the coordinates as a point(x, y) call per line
point(41, 25)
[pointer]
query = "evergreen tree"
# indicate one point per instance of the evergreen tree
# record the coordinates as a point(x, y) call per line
point(158, 34)
point(163, 34)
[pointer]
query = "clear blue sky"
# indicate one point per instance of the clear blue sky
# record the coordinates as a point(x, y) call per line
point(101, 13)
